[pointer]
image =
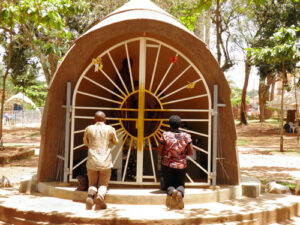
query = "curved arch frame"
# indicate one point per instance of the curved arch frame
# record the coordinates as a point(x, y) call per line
point(209, 110)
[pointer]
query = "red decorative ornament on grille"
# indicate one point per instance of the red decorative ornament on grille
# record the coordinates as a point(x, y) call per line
point(174, 59)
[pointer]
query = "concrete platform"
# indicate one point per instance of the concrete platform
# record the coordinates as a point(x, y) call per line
point(141, 196)
point(60, 203)
point(16, 208)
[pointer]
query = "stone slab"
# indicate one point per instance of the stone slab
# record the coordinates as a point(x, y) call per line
point(36, 209)
point(251, 186)
point(141, 196)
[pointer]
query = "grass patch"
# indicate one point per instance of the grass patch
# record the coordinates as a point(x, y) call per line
point(253, 121)
point(290, 185)
point(236, 122)
point(273, 122)
point(34, 134)
point(14, 145)
point(270, 121)
point(241, 142)
point(287, 152)
point(25, 157)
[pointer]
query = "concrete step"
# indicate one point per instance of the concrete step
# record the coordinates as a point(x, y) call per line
point(292, 221)
point(244, 222)
point(16, 208)
point(141, 196)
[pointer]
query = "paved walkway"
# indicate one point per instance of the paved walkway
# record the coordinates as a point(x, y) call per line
point(265, 166)
point(267, 209)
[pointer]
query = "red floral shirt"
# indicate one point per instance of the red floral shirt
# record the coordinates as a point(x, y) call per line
point(174, 152)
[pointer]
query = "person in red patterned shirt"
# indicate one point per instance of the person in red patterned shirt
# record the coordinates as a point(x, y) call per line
point(173, 147)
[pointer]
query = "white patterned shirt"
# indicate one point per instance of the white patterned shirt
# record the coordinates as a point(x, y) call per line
point(99, 138)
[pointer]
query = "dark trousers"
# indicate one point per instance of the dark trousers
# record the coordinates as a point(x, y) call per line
point(173, 179)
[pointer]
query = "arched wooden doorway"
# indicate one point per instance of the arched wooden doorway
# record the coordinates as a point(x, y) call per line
point(139, 83)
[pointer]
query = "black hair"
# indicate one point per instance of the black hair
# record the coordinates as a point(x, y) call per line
point(174, 121)
point(125, 62)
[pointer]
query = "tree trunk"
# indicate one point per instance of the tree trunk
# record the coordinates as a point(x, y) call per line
point(199, 27)
point(218, 27)
point(297, 116)
point(281, 107)
point(267, 91)
point(261, 99)
point(270, 81)
point(272, 90)
point(42, 58)
point(45, 68)
point(53, 61)
point(4, 85)
point(263, 94)
point(207, 25)
point(202, 27)
point(243, 117)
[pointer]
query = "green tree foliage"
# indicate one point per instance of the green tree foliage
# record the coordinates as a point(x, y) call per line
point(282, 51)
point(190, 14)
point(37, 92)
point(42, 26)
point(101, 8)
point(7, 24)
point(175, 7)
point(262, 20)
point(268, 18)
point(24, 68)
point(24, 75)
point(45, 30)
point(222, 14)
point(271, 16)
point(236, 94)
point(281, 54)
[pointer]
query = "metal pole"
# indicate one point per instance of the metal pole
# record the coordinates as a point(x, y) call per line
point(141, 106)
point(215, 137)
point(67, 132)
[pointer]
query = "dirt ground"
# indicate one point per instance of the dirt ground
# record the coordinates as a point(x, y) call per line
point(265, 137)
point(18, 137)
point(258, 150)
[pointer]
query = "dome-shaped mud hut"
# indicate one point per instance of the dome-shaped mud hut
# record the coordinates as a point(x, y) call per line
point(140, 66)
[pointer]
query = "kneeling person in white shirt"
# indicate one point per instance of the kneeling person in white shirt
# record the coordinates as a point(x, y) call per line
point(99, 138)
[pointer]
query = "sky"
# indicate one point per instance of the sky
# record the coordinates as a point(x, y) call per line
point(237, 75)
